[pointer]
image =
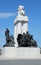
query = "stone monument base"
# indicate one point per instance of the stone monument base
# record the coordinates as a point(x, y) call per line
point(20, 53)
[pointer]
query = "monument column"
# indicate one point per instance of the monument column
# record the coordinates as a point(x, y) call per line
point(20, 23)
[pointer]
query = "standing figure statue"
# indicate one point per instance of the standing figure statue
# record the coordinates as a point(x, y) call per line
point(7, 35)
point(9, 39)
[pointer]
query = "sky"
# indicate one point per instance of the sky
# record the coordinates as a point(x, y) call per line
point(8, 12)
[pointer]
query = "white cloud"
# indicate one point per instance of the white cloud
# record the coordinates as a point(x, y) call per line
point(5, 15)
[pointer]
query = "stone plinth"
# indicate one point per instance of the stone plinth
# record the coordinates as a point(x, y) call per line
point(21, 53)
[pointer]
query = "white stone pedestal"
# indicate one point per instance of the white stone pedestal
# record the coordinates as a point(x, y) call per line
point(21, 53)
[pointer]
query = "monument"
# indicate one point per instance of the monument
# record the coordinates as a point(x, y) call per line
point(21, 49)
point(21, 38)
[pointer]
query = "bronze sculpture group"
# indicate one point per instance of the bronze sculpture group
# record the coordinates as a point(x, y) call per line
point(24, 40)
point(9, 39)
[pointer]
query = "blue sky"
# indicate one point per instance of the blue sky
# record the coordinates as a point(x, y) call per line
point(8, 12)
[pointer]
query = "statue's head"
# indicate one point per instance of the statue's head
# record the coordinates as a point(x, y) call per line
point(7, 29)
point(21, 7)
point(27, 32)
point(21, 10)
point(23, 33)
